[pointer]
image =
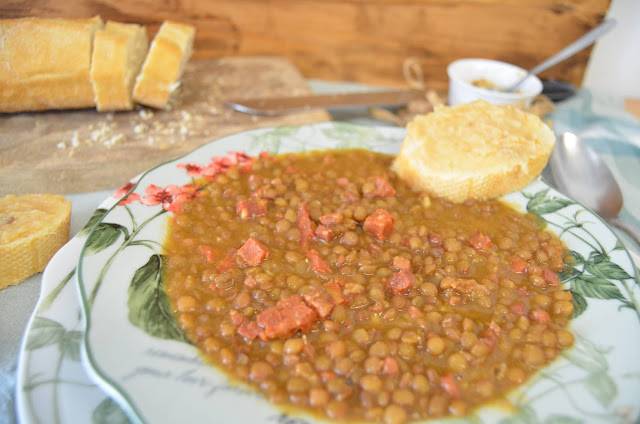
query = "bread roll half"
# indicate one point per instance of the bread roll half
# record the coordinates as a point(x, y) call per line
point(118, 52)
point(164, 65)
point(474, 151)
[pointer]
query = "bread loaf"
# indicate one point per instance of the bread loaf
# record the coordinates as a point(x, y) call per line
point(45, 63)
point(118, 52)
point(32, 229)
point(163, 67)
point(473, 151)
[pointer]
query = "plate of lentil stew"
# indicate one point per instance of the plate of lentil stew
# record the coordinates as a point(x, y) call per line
point(286, 274)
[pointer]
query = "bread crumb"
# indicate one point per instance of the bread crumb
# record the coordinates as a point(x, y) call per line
point(75, 139)
point(145, 113)
point(186, 116)
point(100, 133)
point(112, 141)
point(140, 128)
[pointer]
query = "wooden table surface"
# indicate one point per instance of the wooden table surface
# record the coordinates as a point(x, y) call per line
point(85, 150)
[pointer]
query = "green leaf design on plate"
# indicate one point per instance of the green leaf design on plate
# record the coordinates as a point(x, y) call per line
point(607, 269)
point(541, 205)
point(70, 345)
point(602, 388)
point(51, 297)
point(97, 216)
point(569, 272)
point(352, 136)
point(44, 332)
point(596, 287)
point(104, 235)
point(561, 419)
point(270, 141)
point(524, 415)
point(148, 303)
point(579, 304)
point(588, 356)
point(577, 258)
point(108, 412)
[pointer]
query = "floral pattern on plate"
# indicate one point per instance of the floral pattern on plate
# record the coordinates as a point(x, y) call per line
point(52, 384)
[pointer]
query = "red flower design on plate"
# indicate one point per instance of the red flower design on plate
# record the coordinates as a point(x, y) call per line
point(193, 169)
point(124, 190)
point(210, 171)
point(219, 165)
point(171, 197)
point(241, 157)
point(223, 163)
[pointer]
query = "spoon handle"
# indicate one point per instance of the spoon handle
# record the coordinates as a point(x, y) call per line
point(633, 233)
point(573, 48)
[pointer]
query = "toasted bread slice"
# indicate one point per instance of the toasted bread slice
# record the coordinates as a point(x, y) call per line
point(32, 229)
point(474, 151)
point(162, 69)
point(118, 53)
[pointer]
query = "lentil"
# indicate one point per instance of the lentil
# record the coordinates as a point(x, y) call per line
point(367, 300)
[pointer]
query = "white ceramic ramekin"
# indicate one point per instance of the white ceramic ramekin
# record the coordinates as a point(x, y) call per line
point(463, 72)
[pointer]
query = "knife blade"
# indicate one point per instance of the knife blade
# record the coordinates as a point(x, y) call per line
point(271, 106)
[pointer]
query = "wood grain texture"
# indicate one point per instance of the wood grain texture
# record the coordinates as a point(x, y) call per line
point(79, 151)
point(362, 40)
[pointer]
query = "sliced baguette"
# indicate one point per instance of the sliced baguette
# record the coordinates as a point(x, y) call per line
point(118, 53)
point(32, 229)
point(473, 151)
point(45, 63)
point(164, 65)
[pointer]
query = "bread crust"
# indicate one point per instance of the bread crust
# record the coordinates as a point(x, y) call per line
point(474, 151)
point(33, 228)
point(45, 63)
point(162, 69)
point(118, 53)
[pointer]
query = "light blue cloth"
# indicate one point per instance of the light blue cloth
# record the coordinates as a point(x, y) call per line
point(603, 123)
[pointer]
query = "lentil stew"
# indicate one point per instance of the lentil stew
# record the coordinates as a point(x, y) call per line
point(328, 284)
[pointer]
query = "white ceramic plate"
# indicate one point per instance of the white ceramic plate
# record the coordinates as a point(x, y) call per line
point(133, 350)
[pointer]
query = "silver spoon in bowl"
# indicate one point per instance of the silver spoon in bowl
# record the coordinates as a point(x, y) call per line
point(579, 172)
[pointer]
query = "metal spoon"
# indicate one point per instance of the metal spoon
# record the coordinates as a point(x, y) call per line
point(573, 48)
point(581, 174)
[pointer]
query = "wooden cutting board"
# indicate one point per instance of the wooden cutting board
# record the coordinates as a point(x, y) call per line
point(79, 151)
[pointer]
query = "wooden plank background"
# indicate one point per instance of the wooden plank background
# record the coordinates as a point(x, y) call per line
point(361, 40)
